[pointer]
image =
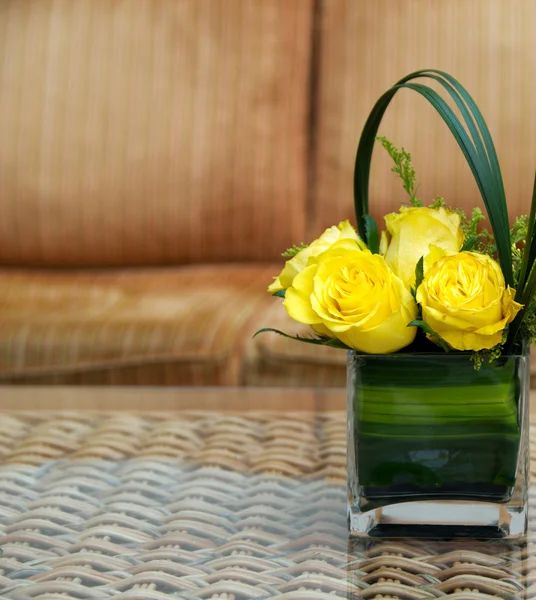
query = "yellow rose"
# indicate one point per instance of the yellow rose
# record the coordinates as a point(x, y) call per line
point(464, 300)
point(298, 262)
point(351, 294)
point(411, 231)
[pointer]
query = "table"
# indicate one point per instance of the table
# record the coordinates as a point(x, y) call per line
point(209, 504)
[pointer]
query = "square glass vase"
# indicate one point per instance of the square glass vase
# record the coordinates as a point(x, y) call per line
point(437, 448)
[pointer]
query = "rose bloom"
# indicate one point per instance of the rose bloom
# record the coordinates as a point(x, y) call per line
point(352, 294)
point(464, 300)
point(298, 262)
point(410, 233)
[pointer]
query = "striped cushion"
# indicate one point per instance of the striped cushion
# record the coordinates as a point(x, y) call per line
point(174, 326)
point(169, 373)
point(129, 326)
point(167, 326)
point(152, 131)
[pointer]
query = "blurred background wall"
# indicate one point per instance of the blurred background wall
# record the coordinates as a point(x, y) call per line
point(132, 129)
point(364, 47)
point(148, 131)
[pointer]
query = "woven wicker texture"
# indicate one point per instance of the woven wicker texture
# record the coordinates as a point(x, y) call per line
point(211, 506)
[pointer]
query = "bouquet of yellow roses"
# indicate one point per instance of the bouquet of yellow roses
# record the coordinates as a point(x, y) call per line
point(436, 445)
point(431, 269)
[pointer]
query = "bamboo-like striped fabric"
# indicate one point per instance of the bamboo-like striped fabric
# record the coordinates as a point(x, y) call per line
point(167, 326)
point(152, 131)
point(147, 373)
point(177, 325)
point(365, 47)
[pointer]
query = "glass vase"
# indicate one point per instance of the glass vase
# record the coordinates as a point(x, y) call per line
point(437, 448)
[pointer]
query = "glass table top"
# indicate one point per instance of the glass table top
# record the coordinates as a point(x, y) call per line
point(211, 505)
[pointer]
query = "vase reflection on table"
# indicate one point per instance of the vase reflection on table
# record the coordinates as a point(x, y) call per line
point(428, 568)
point(437, 448)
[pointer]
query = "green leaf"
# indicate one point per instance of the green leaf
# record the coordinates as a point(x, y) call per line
point(477, 148)
point(480, 169)
point(373, 238)
point(363, 159)
point(526, 287)
point(435, 337)
point(419, 273)
point(469, 243)
point(319, 341)
point(482, 126)
point(280, 293)
point(530, 246)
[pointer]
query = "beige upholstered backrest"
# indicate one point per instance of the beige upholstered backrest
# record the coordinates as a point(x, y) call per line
point(174, 131)
point(367, 45)
point(152, 131)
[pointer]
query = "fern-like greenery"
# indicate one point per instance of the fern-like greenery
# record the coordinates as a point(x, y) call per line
point(403, 167)
point(291, 252)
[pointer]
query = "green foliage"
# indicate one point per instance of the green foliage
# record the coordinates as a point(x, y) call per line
point(469, 244)
point(317, 340)
point(474, 139)
point(526, 278)
point(279, 293)
point(519, 230)
point(403, 168)
point(518, 236)
point(470, 227)
point(479, 357)
point(439, 202)
point(291, 252)
point(476, 240)
point(528, 328)
point(432, 335)
point(373, 237)
point(419, 273)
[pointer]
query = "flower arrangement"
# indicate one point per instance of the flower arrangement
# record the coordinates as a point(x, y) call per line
point(434, 280)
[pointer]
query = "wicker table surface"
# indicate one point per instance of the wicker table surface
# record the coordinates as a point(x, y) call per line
point(147, 506)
